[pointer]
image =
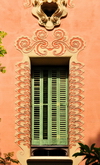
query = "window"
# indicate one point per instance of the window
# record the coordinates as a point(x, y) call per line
point(49, 106)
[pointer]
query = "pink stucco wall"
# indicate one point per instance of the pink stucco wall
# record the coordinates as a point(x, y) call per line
point(82, 20)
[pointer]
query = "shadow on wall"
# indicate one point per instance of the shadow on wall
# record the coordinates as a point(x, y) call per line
point(95, 140)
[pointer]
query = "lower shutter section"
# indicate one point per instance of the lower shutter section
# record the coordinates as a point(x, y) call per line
point(49, 106)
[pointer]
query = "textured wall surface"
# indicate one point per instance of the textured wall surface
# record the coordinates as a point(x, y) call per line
point(83, 21)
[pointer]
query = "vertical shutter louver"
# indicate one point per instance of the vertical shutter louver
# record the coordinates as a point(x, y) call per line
point(54, 107)
point(63, 107)
point(36, 106)
point(49, 106)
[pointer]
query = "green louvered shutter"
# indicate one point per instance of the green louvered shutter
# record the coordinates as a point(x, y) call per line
point(49, 106)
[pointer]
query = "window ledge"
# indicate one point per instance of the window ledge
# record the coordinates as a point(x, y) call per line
point(48, 159)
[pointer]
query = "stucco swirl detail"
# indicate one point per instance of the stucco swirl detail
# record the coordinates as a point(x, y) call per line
point(76, 103)
point(23, 104)
point(41, 46)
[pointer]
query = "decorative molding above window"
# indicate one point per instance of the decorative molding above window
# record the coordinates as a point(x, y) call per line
point(49, 12)
point(40, 44)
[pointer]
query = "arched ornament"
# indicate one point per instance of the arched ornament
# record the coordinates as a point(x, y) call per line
point(41, 45)
point(49, 12)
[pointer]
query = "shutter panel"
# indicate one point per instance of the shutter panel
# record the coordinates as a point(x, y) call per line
point(49, 106)
point(63, 107)
point(36, 107)
point(59, 106)
point(45, 104)
point(54, 107)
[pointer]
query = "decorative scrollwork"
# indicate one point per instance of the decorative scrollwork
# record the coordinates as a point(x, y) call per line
point(75, 103)
point(23, 104)
point(41, 45)
point(76, 43)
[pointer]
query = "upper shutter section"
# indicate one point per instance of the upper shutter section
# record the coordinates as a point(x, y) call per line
point(49, 105)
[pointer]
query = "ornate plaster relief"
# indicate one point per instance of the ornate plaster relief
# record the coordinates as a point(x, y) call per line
point(76, 102)
point(49, 12)
point(40, 46)
point(22, 121)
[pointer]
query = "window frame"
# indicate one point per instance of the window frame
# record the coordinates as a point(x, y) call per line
point(51, 147)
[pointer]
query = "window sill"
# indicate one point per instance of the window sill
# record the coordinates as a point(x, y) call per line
point(49, 159)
